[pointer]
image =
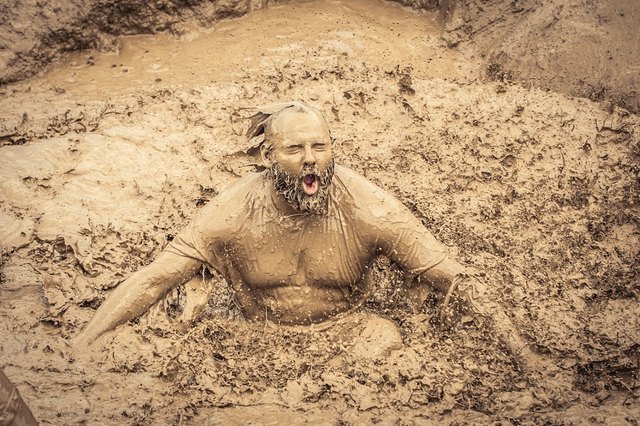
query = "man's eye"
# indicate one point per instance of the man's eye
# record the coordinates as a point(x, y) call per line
point(319, 146)
point(294, 149)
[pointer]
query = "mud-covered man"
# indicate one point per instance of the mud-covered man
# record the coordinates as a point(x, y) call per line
point(296, 240)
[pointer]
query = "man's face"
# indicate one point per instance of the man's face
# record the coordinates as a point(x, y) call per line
point(301, 160)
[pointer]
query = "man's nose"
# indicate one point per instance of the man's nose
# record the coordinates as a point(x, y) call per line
point(309, 156)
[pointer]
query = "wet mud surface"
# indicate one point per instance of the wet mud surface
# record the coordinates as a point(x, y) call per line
point(585, 48)
point(101, 167)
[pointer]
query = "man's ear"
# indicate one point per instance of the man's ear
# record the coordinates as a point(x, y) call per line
point(266, 153)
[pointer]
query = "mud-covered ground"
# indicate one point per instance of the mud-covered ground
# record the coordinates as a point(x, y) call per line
point(586, 48)
point(104, 158)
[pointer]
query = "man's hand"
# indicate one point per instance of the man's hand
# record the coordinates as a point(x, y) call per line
point(137, 294)
point(469, 295)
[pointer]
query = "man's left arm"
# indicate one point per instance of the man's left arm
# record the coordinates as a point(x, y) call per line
point(429, 266)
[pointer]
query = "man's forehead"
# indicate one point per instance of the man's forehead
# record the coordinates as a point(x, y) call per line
point(293, 121)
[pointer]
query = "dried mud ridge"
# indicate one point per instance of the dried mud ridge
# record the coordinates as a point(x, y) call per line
point(583, 48)
point(536, 191)
point(35, 34)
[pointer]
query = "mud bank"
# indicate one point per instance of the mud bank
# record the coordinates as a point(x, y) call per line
point(585, 48)
point(34, 34)
point(537, 191)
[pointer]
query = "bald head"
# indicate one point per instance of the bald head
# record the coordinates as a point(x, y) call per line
point(293, 117)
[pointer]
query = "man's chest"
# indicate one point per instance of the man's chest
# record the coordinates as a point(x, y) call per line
point(322, 253)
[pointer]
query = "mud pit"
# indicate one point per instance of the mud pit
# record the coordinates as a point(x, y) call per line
point(105, 157)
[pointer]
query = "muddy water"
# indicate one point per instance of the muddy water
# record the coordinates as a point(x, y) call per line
point(310, 32)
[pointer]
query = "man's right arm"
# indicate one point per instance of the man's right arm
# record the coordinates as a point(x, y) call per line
point(200, 242)
point(138, 293)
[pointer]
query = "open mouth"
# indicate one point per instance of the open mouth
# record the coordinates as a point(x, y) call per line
point(310, 184)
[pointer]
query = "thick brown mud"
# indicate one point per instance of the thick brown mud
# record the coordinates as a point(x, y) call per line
point(102, 165)
point(586, 48)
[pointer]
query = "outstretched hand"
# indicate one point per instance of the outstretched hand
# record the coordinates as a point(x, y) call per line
point(468, 297)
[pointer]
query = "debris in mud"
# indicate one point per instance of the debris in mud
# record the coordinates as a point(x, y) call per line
point(537, 191)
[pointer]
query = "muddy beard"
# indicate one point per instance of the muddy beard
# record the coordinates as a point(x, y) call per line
point(290, 187)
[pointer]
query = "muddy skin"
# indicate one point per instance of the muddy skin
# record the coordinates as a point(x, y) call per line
point(305, 190)
point(286, 264)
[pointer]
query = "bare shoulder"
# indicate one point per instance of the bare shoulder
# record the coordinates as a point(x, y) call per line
point(369, 200)
point(228, 208)
point(219, 221)
point(388, 223)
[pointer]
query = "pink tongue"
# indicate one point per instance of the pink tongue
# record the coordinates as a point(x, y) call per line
point(310, 186)
point(309, 179)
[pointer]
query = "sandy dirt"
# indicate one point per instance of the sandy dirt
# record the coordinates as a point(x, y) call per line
point(586, 48)
point(103, 158)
